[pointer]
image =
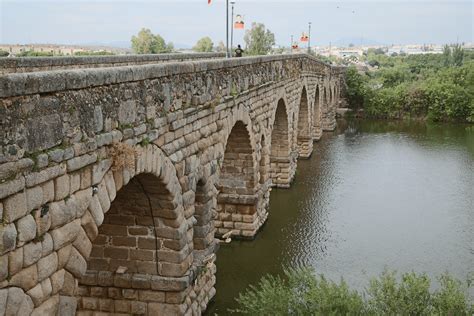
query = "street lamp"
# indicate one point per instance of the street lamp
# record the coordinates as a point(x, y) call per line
point(309, 37)
point(227, 29)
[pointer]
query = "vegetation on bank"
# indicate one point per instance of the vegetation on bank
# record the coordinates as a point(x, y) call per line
point(434, 87)
point(301, 292)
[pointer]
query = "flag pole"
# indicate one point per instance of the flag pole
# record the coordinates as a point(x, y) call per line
point(227, 29)
point(232, 29)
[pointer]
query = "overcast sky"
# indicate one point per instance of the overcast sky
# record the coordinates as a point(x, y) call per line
point(184, 22)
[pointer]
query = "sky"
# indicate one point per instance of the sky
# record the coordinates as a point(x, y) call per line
point(185, 21)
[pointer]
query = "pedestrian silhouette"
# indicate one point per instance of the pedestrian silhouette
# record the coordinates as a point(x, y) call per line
point(239, 51)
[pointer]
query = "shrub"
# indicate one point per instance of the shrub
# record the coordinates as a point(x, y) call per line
point(419, 86)
point(301, 292)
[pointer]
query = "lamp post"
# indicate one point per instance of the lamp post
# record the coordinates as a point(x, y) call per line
point(291, 44)
point(309, 37)
point(227, 29)
point(232, 29)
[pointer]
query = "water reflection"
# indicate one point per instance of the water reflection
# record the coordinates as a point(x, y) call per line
point(373, 195)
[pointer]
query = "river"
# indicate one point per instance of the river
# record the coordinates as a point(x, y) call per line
point(374, 195)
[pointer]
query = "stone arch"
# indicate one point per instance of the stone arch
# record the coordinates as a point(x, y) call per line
point(137, 234)
point(317, 131)
point(304, 137)
point(237, 184)
point(282, 162)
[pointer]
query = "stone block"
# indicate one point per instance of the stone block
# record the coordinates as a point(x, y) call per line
point(57, 281)
point(99, 170)
point(48, 191)
point(34, 198)
point(139, 308)
point(26, 227)
point(62, 189)
point(3, 267)
point(15, 261)
point(83, 244)
point(76, 264)
point(14, 207)
point(32, 252)
point(49, 307)
point(36, 178)
point(81, 161)
point(36, 295)
point(47, 243)
point(8, 234)
point(26, 278)
point(65, 234)
point(12, 186)
point(47, 266)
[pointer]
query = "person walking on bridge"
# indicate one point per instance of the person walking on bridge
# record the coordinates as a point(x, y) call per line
point(239, 51)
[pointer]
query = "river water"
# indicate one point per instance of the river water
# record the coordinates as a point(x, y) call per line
point(374, 195)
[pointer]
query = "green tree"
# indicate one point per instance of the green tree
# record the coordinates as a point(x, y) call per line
point(458, 55)
point(259, 40)
point(148, 43)
point(4, 53)
point(204, 45)
point(220, 47)
point(446, 55)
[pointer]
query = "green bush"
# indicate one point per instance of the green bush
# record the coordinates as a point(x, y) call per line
point(418, 86)
point(301, 292)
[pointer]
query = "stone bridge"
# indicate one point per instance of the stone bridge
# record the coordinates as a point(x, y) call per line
point(116, 180)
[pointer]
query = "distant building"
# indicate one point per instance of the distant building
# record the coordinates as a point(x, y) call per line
point(64, 50)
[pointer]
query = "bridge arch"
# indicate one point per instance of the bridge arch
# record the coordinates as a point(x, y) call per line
point(133, 231)
point(281, 160)
point(304, 137)
point(237, 184)
point(317, 114)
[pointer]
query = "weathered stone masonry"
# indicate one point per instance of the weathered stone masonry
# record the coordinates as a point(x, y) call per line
point(114, 182)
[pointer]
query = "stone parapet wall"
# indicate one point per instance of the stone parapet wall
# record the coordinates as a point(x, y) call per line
point(139, 168)
point(33, 64)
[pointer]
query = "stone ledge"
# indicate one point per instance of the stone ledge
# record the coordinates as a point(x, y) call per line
point(30, 64)
point(47, 81)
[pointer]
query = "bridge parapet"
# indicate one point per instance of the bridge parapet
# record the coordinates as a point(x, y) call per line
point(32, 64)
point(123, 176)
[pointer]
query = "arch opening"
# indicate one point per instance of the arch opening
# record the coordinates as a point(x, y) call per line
point(304, 137)
point(317, 131)
point(281, 162)
point(237, 198)
point(140, 251)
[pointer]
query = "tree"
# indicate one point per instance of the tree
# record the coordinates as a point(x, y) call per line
point(458, 55)
point(259, 40)
point(220, 47)
point(4, 53)
point(205, 44)
point(446, 55)
point(148, 43)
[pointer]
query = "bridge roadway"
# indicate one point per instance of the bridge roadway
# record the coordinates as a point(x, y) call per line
point(115, 180)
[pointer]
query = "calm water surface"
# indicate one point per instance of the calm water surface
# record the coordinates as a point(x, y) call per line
point(373, 195)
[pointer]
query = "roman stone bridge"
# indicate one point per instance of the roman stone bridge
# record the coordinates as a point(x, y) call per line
point(116, 180)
